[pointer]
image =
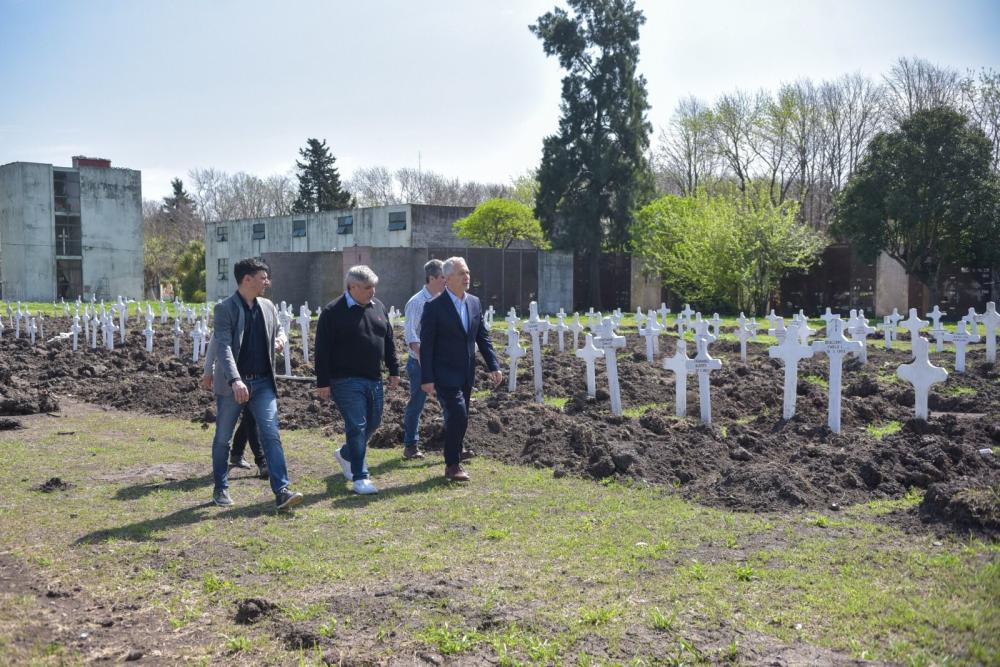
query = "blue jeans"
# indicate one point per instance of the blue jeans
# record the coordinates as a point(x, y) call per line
point(411, 418)
point(263, 405)
point(360, 402)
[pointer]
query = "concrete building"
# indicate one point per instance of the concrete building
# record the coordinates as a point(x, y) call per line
point(309, 253)
point(70, 231)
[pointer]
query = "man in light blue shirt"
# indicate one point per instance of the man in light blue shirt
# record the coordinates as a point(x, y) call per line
point(413, 310)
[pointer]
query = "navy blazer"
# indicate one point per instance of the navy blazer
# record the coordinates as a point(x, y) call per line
point(447, 351)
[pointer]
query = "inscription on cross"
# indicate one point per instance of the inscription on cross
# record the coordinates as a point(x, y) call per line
point(835, 347)
point(702, 365)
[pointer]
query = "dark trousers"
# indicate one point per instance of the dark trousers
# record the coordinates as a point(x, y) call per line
point(247, 432)
point(455, 405)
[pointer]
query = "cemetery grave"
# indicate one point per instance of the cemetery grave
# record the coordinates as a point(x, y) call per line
point(748, 458)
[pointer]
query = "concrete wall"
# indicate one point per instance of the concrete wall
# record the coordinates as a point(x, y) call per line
point(555, 281)
point(432, 226)
point(891, 286)
point(646, 287)
point(27, 232)
point(298, 277)
point(112, 233)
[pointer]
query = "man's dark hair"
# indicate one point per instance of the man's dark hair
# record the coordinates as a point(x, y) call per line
point(248, 267)
point(432, 269)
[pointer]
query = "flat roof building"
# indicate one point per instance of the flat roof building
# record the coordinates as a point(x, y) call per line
point(70, 231)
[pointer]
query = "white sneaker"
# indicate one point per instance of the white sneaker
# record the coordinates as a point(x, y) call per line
point(345, 465)
point(364, 487)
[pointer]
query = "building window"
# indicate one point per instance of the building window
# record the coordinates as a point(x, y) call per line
point(345, 224)
point(68, 236)
point(397, 221)
point(258, 231)
point(66, 192)
point(298, 227)
point(223, 268)
point(221, 233)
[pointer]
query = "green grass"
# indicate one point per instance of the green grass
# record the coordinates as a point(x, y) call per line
point(558, 402)
point(958, 391)
point(639, 410)
point(817, 380)
point(565, 566)
point(882, 429)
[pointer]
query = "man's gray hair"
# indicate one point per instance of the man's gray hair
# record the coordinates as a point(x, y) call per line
point(361, 275)
point(432, 269)
point(449, 265)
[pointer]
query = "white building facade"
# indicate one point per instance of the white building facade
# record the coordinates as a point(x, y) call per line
point(70, 231)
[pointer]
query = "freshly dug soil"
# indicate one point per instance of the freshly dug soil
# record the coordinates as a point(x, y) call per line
point(748, 459)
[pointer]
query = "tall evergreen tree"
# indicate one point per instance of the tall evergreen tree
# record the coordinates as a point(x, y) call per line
point(180, 201)
point(594, 172)
point(319, 182)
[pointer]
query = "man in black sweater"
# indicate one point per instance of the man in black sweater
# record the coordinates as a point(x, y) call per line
point(353, 338)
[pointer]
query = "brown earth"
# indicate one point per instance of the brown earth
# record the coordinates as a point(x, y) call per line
point(748, 459)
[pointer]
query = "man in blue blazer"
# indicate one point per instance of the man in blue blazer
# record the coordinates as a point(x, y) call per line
point(451, 327)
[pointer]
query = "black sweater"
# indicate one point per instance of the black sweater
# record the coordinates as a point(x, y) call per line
point(352, 342)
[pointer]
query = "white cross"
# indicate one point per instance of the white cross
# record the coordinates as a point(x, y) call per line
point(511, 318)
point(771, 319)
point(860, 333)
point(654, 325)
point(835, 346)
point(743, 333)
point(576, 328)
point(514, 352)
point(702, 365)
point(32, 330)
point(196, 335)
point(285, 321)
point(640, 317)
point(561, 329)
point(790, 351)
point(590, 355)
point(973, 318)
point(679, 365)
point(960, 339)
point(701, 334)
point(608, 341)
point(887, 328)
point(533, 327)
point(715, 324)
point(778, 329)
point(921, 373)
point(490, 312)
point(914, 324)
point(664, 311)
point(178, 332)
point(75, 330)
point(649, 333)
point(304, 318)
point(753, 329)
point(1, 328)
point(148, 331)
point(895, 317)
point(935, 317)
point(93, 330)
point(991, 322)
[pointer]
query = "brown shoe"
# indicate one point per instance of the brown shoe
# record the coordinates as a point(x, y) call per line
point(455, 473)
point(412, 453)
point(467, 454)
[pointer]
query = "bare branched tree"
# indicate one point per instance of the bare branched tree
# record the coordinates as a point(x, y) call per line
point(222, 196)
point(915, 84)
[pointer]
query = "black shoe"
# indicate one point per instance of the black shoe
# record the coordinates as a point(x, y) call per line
point(240, 463)
point(467, 454)
point(262, 471)
point(221, 498)
point(287, 499)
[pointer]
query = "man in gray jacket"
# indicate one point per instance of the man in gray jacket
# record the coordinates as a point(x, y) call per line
point(245, 329)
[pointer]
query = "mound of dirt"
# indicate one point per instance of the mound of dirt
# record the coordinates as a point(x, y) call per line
point(965, 503)
point(251, 610)
point(748, 459)
point(53, 484)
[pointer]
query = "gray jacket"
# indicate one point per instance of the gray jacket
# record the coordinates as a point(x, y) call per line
point(227, 337)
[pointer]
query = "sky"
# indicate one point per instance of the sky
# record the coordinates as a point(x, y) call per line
point(459, 87)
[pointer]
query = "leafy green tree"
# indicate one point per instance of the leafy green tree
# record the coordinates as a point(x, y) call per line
point(727, 250)
point(319, 181)
point(926, 195)
point(525, 188)
point(496, 223)
point(190, 272)
point(594, 171)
